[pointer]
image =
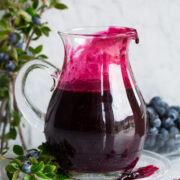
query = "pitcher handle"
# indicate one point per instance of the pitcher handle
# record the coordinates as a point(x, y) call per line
point(32, 114)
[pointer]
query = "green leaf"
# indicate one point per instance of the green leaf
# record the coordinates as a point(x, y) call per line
point(18, 20)
point(4, 82)
point(25, 15)
point(23, 1)
point(11, 168)
point(38, 49)
point(45, 148)
point(49, 169)
point(18, 150)
point(18, 162)
point(4, 152)
point(31, 11)
point(12, 10)
point(20, 157)
point(33, 160)
point(6, 16)
point(26, 57)
point(37, 167)
point(29, 177)
point(12, 133)
point(15, 54)
point(60, 6)
point(15, 175)
point(42, 56)
point(37, 31)
point(42, 176)
point(61, 177)
point(3, 24)
point(6, 32)
point(31, 48)
point(49, 161)
point(9, 175)
point(16, 118)
point(45, 30)
point(35, 3)
point(35, 38)
point(27, 30)
point(51, 175)
point(4, 93)
point(5, 48)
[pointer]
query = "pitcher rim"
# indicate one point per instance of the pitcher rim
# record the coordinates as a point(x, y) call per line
point(131, 32)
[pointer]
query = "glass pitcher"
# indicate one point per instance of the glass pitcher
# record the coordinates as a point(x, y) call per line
point(96, 120)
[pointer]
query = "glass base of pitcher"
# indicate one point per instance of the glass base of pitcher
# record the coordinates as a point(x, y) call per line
point(97, 176)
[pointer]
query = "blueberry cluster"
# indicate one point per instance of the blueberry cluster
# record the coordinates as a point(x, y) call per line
point(8, 65)
point(26, 167)
point(164, 122)
point(6, 61)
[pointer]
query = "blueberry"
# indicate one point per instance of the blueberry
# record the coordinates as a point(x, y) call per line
point(160, 142)
point(173, 130)
point(173, 114)
point(177, 108)
point(4, 57)
point(151, 140)
point(33, 154)
point(160, 110)
point(1, 57)
point(29, 53)
point(27, 167)
point(10, 66)
point(152, 120)
point(151, 110)
point(164, 105)
point(156, 123)
point(167, 123)
point(25, 159)
point(13, 38)
point(153, 131)
point(170, 143)
point(159, 105)
point(151, 113)
point(164, 132)
point(36, 20)
point(178, 121)
point(19, 45)
point(156, 100)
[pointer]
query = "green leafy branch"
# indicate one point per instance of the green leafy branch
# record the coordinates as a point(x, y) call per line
point(36, 164)
point(20, 24)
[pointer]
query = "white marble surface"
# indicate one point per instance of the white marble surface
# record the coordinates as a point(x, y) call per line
point(155, 61)
point(174, 172)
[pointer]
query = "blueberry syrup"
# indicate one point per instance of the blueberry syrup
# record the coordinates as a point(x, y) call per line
point(96, 119)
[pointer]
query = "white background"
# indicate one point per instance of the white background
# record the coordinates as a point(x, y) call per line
point(155, 61)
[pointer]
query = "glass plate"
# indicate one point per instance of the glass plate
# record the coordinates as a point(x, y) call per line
point(147, 158)
point(168, 147)
point(157, 160)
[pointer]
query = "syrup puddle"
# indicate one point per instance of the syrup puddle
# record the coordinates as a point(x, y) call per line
point(142, 172)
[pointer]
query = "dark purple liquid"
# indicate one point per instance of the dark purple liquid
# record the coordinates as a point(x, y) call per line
point(82, 130)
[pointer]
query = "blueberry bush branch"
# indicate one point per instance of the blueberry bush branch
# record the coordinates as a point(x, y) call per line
point(35, 164)
point(20, 24)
